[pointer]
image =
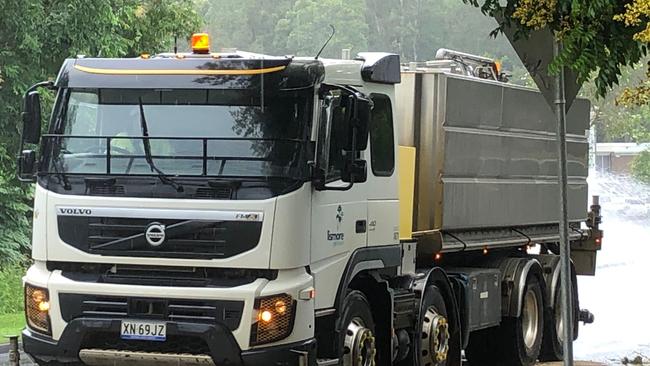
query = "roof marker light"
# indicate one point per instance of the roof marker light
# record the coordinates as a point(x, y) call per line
point(200, 43)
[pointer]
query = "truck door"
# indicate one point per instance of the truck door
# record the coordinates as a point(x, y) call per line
point(339, 221)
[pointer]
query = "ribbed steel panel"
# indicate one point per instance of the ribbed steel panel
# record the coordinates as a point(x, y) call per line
point(486, 153)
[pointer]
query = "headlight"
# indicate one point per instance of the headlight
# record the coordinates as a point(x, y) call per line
point(274, 319)
point(37, 308)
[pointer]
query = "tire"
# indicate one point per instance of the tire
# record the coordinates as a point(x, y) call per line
point(422, 351)
point(552, 348)
point(521, 347)
point(355, 331)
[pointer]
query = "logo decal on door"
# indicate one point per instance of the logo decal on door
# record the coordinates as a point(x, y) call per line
point(337, 237)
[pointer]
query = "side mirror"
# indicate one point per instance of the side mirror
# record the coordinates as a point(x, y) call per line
point(355, 171)
point(32, 118)
point(27, 166)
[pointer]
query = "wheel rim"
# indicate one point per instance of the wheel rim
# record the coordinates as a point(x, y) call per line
point(530, 319)
point(359, 345)
point(435, 338)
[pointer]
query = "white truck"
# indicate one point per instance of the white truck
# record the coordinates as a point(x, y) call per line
point(240, 209)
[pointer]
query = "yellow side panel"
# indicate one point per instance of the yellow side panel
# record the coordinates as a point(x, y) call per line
point(406, 173)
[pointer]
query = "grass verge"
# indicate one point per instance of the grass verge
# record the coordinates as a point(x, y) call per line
point(12, 319)
point(11, 324)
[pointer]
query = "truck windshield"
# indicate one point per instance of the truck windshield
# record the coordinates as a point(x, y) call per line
point(190, 132)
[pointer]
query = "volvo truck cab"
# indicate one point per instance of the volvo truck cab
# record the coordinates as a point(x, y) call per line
point(197, 205)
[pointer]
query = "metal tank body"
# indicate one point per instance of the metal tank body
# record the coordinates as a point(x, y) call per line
point(486, 153)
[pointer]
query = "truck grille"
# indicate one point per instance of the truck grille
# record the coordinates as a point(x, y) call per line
point(141, 275)
point(225, 312)
point(183, 238)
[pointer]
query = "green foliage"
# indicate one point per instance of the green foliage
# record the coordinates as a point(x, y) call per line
point(11, 289)
point(12, 319)
point(594, 42)
point(306, 26)
point(297, 27)
point(15, 213)
point(36, 36)
point(245, 24)
point(641, 167)
point(615, 122)
point(415, 29)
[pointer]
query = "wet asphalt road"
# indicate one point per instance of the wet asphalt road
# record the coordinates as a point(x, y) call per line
point(4, 357)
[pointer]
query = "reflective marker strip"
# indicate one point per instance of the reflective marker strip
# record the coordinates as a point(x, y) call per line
point(147, 213)
point(93, 70)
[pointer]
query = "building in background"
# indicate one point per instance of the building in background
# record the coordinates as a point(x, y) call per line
point(616, 157)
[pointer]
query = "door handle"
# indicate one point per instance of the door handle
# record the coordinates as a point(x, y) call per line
point(360, 226)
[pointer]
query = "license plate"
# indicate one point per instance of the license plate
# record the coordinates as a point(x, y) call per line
point(143, 330)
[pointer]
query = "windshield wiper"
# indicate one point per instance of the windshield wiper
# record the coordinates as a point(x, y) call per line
point(147, 152)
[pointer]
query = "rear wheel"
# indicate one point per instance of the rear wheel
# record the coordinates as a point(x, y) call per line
point(356, 332)
point(552, 348)
point(521, 337)
point(552, 344)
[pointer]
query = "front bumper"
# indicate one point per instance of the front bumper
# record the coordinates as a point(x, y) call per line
point(214, 340)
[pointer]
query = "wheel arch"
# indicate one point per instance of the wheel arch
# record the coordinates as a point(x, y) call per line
point(362, 273)
point(364, 261)
point(514, 272)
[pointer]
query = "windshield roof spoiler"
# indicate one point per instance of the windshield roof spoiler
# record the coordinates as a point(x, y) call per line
point(189, 73)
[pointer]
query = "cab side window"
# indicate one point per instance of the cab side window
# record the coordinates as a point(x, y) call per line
point(382, 148)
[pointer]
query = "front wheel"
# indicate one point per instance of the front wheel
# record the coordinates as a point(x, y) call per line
point(356, 332)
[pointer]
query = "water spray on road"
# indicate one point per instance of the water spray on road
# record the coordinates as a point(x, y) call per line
point(617, 294)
